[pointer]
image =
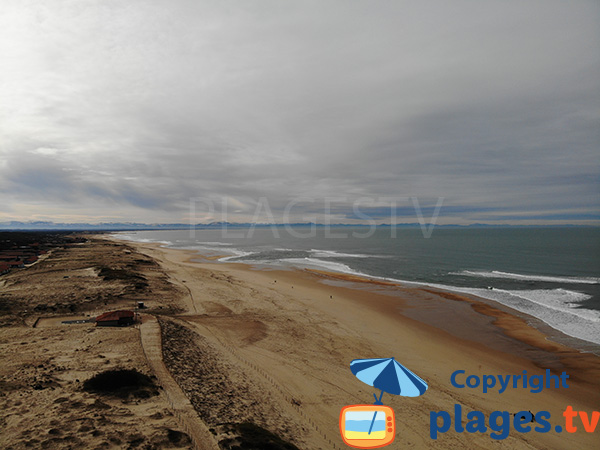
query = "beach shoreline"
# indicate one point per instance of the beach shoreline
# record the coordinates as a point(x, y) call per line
point(515, 324)
point(461, 332)
point(563, 307)
point(503, 316)
point(508, 322)
point(265, 347)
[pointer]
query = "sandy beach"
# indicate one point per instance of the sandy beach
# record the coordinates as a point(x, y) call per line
point(310, 225)
point(270, 348)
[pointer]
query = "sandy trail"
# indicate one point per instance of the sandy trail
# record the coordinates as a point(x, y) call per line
point(150, 336)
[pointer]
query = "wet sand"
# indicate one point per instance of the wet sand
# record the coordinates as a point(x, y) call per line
point(302, 329)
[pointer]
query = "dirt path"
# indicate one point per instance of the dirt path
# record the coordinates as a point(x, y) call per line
point(182, 408)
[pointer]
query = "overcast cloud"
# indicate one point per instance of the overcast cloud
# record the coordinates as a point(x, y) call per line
point(123, 111)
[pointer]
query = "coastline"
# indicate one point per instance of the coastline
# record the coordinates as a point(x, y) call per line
point(265, 347)
point(506, 318)
point(564, 308)
point(432, 332)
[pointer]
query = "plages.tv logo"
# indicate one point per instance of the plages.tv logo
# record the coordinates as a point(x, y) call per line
point(373, 426)
point(500, 423)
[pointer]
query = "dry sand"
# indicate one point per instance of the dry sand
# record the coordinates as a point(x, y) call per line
point(42, 369)
point(268, 347)
point(294, 333)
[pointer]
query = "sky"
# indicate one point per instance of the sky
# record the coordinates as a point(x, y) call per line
point(327, 111)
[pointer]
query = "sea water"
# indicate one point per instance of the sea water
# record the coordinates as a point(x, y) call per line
point(552, 274)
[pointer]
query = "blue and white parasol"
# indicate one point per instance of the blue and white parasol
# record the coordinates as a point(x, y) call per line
point(389, 376)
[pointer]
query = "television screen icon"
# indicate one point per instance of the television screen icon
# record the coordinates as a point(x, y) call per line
point(367, 426)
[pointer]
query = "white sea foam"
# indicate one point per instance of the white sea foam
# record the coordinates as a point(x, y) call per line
point(230, 253)
point(211, 247)
point(319, 263)
point(335, 254)
point(205, 249)
point(517, 276)
point(125, 237)
point(134, 238)
point(236, 254)
point(561, 300)
point(558, 308)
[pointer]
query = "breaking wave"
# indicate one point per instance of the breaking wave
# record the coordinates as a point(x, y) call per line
point(521, 277)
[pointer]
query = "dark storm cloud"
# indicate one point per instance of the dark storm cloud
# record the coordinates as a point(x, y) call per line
point(137, 107)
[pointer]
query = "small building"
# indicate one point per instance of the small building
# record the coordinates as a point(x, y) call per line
point(4, 268)
point(120, 318)
point(16, 264)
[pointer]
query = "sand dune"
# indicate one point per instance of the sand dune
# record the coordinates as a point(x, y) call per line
point(264, 352)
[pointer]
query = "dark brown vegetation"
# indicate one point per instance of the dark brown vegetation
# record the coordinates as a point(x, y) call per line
point(122, 383)
point(236, 412)
point(13, 240)
point(20, 249)
point(81, 275)
point(43, 402)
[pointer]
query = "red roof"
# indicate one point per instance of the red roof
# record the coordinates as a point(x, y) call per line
point(114, 315)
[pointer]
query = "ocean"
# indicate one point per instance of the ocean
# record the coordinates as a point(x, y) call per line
point(552, 274)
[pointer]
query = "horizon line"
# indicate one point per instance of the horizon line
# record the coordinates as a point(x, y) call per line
point(141, 226)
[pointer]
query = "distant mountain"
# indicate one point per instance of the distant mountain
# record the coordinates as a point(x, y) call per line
point(105, 226)
point(133, 226)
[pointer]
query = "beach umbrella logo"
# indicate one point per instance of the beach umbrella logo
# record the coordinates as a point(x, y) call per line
point(372, 426)
point(388, 375)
